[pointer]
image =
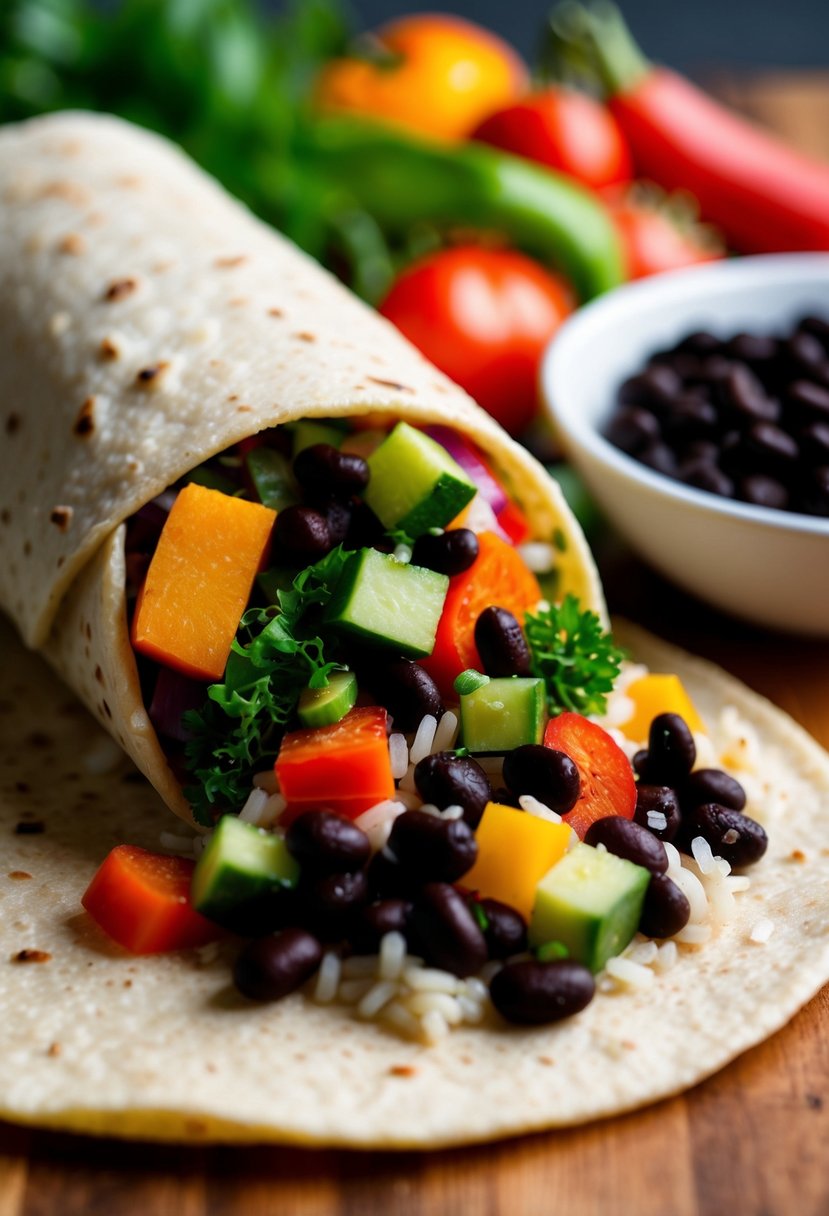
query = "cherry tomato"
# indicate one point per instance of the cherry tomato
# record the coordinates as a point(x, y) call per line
point(483, 316)
point(433, 73)
point(608, 786)
point(565, 130)
point(654, 238)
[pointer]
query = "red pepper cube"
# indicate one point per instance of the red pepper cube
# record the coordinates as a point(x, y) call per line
point(345, 767)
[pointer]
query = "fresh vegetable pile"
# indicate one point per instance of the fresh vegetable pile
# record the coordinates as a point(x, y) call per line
point(394, 767)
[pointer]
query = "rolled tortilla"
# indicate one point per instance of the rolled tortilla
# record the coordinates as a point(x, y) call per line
point(147, 322)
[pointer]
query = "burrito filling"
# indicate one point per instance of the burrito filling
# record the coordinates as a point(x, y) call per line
point(425, 781)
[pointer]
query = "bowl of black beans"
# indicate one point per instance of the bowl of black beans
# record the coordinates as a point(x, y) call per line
point(696, 407)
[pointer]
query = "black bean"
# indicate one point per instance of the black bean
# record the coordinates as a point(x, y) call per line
point(630, 840)
point(706, 476)
point(325, 843)
point(814, 494)
point(666, 909)
point(326, 472)
point(532, 993)
point(814, 442)
point(731, 834)
point(445, 779)
point(690, 415)
point(671, 750)
point(639, 764)
point(818, 326)
point(330, 901)
point(712, 785)
point(365, 530)
point(501, 644)
point(806, 351)
point(763, 491)
point(773, 446)
point(809, 401)
point(743, 393)
point(438, 850)
point(506, 931)
point(505, 797)
point(546, 774)
point(271, 967)
point(659, 457)
point(388, 880)
point(658, 800)
point(654, 387)
point(373, 921)
point(450, 553)
point(338, 517)
point(446, 932)
point(753, 348)
point(701, 342)
point(631, 428)
point(699, 449)
point(302, 533)
point(407, 691)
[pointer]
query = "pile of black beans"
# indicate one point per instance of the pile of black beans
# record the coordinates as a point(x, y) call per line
point(745, 417)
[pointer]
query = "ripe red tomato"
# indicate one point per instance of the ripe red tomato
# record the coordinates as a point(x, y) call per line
point(565, 130)
point(608, 786)
point(483, 316)
point(654, 239)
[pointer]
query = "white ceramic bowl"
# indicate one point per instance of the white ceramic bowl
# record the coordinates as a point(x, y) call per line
point(770, 567)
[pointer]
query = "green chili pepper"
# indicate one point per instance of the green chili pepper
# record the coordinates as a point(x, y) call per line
point(401, 181)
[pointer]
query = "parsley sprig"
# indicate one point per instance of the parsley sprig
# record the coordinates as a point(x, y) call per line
point(576, 658)
point(276, 653)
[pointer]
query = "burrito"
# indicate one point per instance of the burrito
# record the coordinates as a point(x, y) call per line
point(351, 631)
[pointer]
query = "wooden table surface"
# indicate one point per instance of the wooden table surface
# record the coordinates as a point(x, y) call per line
point(751, 1140)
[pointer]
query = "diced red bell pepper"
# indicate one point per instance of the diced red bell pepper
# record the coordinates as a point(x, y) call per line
point(345, 767)
point(142, 901)
point(608, 786)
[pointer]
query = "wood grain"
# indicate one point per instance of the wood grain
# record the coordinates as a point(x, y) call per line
point(751, 1140)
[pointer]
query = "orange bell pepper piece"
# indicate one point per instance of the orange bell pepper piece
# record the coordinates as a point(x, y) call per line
point(199, 580)
point(655, 694)
point(515, 851)
point(142, 901)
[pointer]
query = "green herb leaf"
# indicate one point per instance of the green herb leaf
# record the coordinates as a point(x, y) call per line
point(578, 661)
point(276, 653)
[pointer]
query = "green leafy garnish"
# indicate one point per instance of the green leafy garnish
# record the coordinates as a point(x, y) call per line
point(578, 661)
point(275, 655)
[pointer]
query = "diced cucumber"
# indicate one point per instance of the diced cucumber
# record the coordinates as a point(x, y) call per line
point(240, 863)
point(273, 480)
point(325, 706)
point(504, 713)
point(306, 433)
point(415, 484)
point(591, 901)
point(388, 603)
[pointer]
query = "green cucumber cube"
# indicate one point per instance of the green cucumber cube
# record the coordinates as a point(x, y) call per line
point(591, 901)
point(325, 706)
point(272, 477)
point(306, 433)
point(504, 713)
point(415, 484)
point(240, 863)
point(387, 603)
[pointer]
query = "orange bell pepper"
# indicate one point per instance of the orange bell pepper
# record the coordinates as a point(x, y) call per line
point(515, 851)
point(655, 694)
point(199, 580)
point(142, 901)
point(498, 577)
point(345, 767)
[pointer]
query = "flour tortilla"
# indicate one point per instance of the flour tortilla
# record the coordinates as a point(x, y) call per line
point(97, 1041)
point(147, 322)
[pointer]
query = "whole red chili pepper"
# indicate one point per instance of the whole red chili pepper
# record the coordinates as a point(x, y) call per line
point(764, 196)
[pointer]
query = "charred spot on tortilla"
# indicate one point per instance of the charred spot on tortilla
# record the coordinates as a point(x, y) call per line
point(151, 377)
point(13, 424)
point(392, 384)
point(19, 875)
point(108, 349)
point(5, 516)
point(275, 312)
point(85, 422)
point(29, 827)
point(67, 192)
point(73, 244)
point(304, 336)
point(228, 263)
point(30, 955)
point(53, 1050)
point(120, 289)
point(61, 517)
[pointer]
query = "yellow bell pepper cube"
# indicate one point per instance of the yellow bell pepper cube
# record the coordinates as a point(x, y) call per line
point(515, 851)
point(658, 694)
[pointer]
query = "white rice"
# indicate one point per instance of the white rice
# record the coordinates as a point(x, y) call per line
point(694, 892)
point(761, 931)
point(424, 738)
point(377, 996)
point(392, 956)
point(657, 821)
point(328, 978)
point(398, 1016)
point(430, 979)
point(538, 556)
point(738, 882)
point(446, 733)
point(694, 935)
point(359, 966)
point(407, 782)
point(533, 807)
point(666, 956)
point(703, 854)
point(377, 822)
point(173, 843)
point(421, 1004)
point(266, 780)
point(402, 554)
point(256, 803)
point(642, 952)
point(625, 971)
point(399, 755)
point(351, 991)
point(434, 1026)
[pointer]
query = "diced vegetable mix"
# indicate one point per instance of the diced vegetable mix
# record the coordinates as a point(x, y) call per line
point(352, 850)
